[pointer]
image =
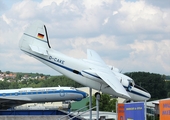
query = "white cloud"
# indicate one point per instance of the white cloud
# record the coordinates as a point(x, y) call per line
point(140, 17)
point(132, 34)
point(6, 19)
point(105, 21)
point(45, 3)
point(150, 54)
point(115, 12)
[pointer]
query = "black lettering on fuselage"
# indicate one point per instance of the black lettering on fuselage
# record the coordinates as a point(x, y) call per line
point(56, 60)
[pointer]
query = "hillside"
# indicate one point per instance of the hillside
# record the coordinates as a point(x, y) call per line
point(157, 85)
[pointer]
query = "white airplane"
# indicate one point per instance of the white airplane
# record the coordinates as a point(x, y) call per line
point(14, 97)
point(91, 72)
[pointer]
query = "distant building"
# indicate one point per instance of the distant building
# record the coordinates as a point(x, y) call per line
point(1, 79)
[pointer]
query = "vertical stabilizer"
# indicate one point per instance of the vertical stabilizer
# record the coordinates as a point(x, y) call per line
point(35, 38)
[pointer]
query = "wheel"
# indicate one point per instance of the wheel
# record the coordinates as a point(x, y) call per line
point(98, 95)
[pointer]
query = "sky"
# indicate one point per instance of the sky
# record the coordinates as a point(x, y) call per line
point(132, 35)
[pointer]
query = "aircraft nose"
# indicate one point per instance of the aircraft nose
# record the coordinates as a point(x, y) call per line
point(87, 95)
point(149, 96)
point(84, 94)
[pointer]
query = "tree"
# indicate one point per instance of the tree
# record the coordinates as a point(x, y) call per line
point(13, 85)
point(19, 75)
point(7, 72)
point(4, 85)
point(153, 83)
point(106, 103)
point(168, 94)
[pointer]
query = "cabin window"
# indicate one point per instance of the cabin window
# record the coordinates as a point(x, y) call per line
point(75, 71)
point(16, 94)
point(4, 94)
point(62, 94)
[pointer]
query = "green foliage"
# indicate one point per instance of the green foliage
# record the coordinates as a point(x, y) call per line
point(168, 94)
point(13, 85)
point(53, 81)
point(8, 72)
point(59, 80)
point(106, 103)
point(167, 77)
point(152, 117)
point(153, 83)
point(4, 84)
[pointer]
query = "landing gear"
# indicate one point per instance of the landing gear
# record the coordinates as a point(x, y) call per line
point(128, 101)
point(97, 95)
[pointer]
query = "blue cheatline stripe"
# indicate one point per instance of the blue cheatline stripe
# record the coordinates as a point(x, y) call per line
point(71, 70)
point(92, 75)
point(35, 37)
point(134, 92)
point(40, 93)
point(64, 67)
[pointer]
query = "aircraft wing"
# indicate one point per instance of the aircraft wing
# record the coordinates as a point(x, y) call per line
point(113, 82)
point(6, 103)
point(106, 74)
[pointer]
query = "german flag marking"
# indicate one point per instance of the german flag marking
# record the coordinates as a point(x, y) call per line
point(41, 36)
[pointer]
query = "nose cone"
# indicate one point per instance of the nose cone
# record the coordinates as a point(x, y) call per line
point(84, 94)
point(143, 94)
point(149, 96)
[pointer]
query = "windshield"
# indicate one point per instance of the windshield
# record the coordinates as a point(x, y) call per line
point(131, 82)
point(140, 88)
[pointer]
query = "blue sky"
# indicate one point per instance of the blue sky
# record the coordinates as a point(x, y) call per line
point(132, 35)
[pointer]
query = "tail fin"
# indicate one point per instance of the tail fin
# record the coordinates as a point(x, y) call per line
point(35, 39)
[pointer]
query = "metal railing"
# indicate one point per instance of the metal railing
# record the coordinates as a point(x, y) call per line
point(82, 113)
point(73, 112)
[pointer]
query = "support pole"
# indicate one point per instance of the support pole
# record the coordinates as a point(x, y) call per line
point(97, 105)
point(145, 110)
point(117, 110)
point(90, 102)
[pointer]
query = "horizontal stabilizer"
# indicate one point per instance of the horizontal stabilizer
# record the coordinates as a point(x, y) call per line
point(93, 56)
point(39, 50)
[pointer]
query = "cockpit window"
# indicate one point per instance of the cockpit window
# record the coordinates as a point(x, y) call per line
point(140, 88)
point(72, 88)
point(131, 82)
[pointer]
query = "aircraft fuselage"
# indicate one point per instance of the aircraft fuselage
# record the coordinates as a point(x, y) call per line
point(91, 72)
point(73, 68)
